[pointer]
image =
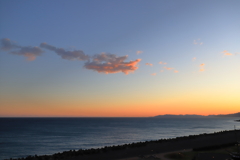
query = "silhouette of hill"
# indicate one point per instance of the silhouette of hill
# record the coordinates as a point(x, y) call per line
point(197, 116)
point(229, 115)
point(180, 116)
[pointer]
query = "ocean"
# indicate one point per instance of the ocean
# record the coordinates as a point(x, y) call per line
point(20, 137)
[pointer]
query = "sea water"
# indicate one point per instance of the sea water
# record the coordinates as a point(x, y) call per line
point(20, 137)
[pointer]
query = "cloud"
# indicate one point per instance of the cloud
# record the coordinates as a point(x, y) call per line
point(69, 55)
point(154, 74)
point(149, 64)
point(202, 67)
point(175, 71)
point(7, 44)
point(110, 63)
point(162, 70)
point(139, 52)
point(194, 58)
point(30, 52)
point(196, 42)
point(168, 68)
point(102, 63)
point(162, 62)
point(226, 53)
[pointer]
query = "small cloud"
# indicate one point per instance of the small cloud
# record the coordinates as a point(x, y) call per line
point(194, 58)
point(149, 64)
point(162, 70)
point(29, 52)
point(139, 52)
point(202, 67)
point(226, 53)
point(154, 74)
point(168, 68)
point(196, 42)
point(162, 62)
point(175, 71)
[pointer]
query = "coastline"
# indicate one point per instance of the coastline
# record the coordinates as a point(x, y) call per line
point(222, 138)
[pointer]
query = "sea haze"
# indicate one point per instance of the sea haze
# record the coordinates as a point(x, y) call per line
point(20, 137)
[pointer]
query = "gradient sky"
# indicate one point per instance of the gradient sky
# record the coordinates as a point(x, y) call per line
point(124, 58)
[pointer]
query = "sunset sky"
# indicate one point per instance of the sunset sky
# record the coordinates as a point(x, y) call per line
point(119, 58)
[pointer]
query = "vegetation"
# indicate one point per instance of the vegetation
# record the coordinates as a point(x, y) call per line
point(181, 155)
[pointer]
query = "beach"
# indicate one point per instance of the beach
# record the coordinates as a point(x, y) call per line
point(135, 151)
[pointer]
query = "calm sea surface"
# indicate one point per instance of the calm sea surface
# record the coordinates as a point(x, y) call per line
point(20, 137)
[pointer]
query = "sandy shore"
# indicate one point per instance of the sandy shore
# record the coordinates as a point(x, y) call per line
point(147, 150)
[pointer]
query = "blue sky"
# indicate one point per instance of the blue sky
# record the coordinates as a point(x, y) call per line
point(198, 41)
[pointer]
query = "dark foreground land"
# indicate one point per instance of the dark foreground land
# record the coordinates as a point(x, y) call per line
point(195, 142)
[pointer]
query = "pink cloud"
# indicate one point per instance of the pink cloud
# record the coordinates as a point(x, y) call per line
point(139, 52)
point(202, 67)
point(194, 58)
point(162, 70)
point(162, 62)
point(175, 71)
point(226, 53)
point(154, 74)
point(196, 42)
point(149, 64)
point(110, 63)
point(168, 68)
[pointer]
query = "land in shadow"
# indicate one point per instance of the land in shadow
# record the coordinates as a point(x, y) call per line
point(150, 148)
point(234, 115)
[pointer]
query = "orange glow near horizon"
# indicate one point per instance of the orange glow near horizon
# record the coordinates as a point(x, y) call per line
point(22, 109)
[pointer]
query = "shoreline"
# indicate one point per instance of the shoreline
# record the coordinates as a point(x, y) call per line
point(205, 140)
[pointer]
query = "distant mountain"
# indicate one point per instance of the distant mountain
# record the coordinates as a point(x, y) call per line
point(229, 115)
point(197, 116)
point(179, 116)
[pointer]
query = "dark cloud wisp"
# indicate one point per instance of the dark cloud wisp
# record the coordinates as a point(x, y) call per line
point(30, 52)
point(69, 55)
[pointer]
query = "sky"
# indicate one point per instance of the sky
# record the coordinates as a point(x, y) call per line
point(119, 58)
